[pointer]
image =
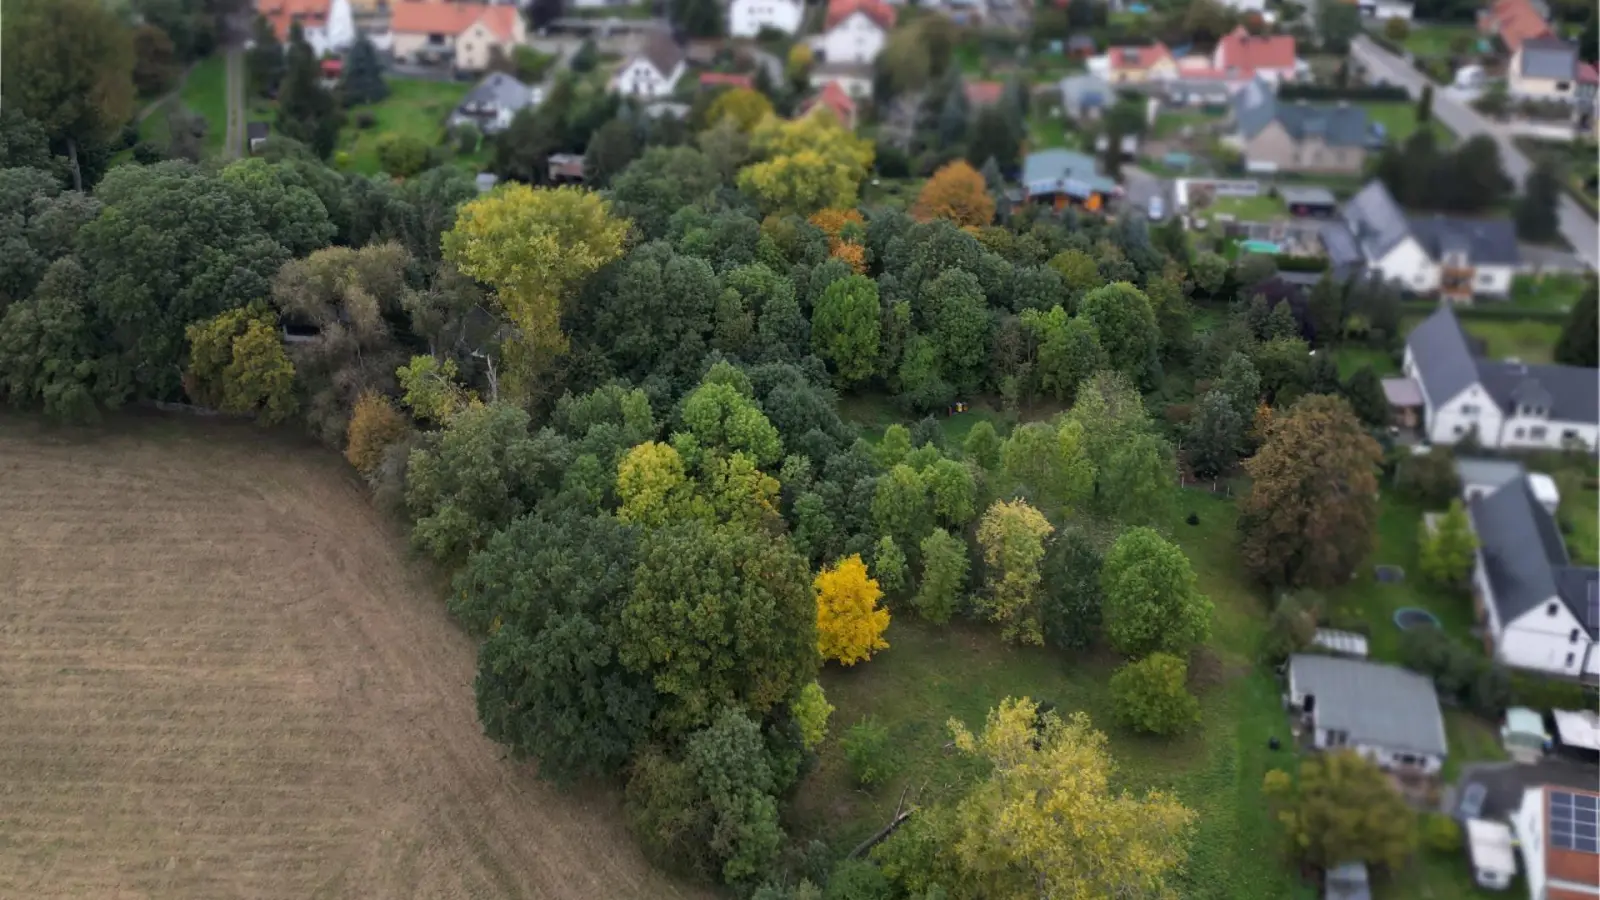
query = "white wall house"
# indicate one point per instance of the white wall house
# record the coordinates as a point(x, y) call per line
point(1510, 405)
point(1540, 611)
point(1555, 830)
point(1455, 258)
point(855, 31)
point(653, 72)
point(1383, 10)
point(746, 18)
point(1385, 713)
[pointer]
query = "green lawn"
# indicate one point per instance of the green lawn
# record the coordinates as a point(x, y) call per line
point(1046, 131)
point(1351, 358)
point(1170, 122)
point(1527, 340)
point(414, 106)
point(1400, 121)
point(1439, 40)
point(1471, 740)
point(155, 127)
point(1580, 513)
point(206, 94)
point(1547, 292)
point(1262, 208)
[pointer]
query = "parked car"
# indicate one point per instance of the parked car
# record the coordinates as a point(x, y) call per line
point(1158, 209)
point(1471, 801)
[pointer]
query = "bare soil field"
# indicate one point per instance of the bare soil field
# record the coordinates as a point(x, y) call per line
point(222, 677)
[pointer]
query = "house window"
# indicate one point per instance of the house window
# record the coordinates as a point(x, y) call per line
point(1485, 279)
point(1338, 738)
point(1519, 432)
point(1573, 637)
point(1570, 434)
point(1469, 409)
point(1537, 432)
point(1563, 86)
point(1550, 609)
point(1570, 658)
point(1405, 759)
point(1459, 429)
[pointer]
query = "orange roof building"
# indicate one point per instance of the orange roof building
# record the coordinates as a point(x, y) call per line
point(1250, 55)
point(469, 33)
point(836, 100)
point(1134, 64)
point(984, 93)
point(726, 79)
point(839, 10)
point(283, 14)
point(1514, 21)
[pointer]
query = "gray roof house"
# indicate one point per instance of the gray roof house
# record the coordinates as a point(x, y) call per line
point(1347, 881)
point(494, 102)
point(1085, 96)
point(1388, 714)
point(1510, 404)
point(1298, 136)
point(1549, 58)
point(1542, 612)
point(1455, 257)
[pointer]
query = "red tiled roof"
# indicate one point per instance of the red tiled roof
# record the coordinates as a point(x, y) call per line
point(284, 13)
point(719, 79)
point(984, 93)
point(1587, 74)
point(332, 67)
point(839, 10)
point(836, 100)
point(1138, 57)
point(424, 17)
point(1241, 50)
point(1515, 21)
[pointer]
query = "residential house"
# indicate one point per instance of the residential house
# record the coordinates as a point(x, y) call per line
point(855, 79)
point(257, 133)
point(1544, 68)
point(1384, 10)
point(1481, 477)
point(1510, 405)
point(1385, 713)
point(1514, 21)
point(1085, 97)
point(1244, 55)
point(1137, 65)
point(748, 18)
point(984, 93)
point(836, 100)
point(1065, 177)
point(653, 71)
point(465, 34)
point(1259, 7)
point(854, 31)
point(495, 102)
point(1080, 46)
point(328, 25)
point(565, 168)
point(1457, 258)
point(1555, 829)
point(1538, 611)
point(1279, 136)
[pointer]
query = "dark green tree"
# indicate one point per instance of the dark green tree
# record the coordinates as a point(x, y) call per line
point(1364, 390)
point(1425, 106)
point(1578, 343)
point(1216, 435)
point(307, 111)
point(1536, 209)
point(1070, 608)
point(698, 18)
point(994, 136)
point(362, 81)
point(611, 148)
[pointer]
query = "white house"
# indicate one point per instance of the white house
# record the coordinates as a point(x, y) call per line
point(746, 18)
point(468, 35)
point(1383, 10)
point(653, 71)
point(854, 31)
point(328, 25)
point(1539, 611)
point(1387, 714)
point(494, 102)
point(1456, 258)
point(1555, 829)
point(1510, 405)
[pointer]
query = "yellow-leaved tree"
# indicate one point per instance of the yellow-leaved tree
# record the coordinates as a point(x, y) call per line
point(535, 247)
point(745, 106)
point(237, 364)
point(956, 192)
point(375, 424)
point(654, 487)
point(807, 164)
point(1012, 537)
point(850, 624)
point(1047, 822)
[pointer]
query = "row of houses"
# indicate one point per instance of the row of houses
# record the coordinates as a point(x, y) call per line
point(1239, 58)
point(1543, 66)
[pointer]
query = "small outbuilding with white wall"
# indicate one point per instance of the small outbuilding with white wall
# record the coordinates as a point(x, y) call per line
point(1494, 863)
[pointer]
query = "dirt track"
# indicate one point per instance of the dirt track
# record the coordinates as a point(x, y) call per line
point(221, 677)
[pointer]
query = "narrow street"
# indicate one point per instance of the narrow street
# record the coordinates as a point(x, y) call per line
point(238, 106)
point(1576, 226)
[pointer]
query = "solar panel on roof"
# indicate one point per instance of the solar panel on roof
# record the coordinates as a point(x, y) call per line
point(1575, 822)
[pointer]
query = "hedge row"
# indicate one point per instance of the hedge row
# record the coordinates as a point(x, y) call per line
point(1499, 312)
point(1290, 263)
point(1355, 92)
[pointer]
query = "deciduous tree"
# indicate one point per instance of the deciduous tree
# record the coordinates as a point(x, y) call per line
point(1215, 436)
point(1068, 351)
point(1152, 695)
point(1343, 808)
point(809, 164)
point(1125, 325)
point(1535, 212)
point(375, 425)
point(944, 576)
point(845, 325)
point(850, 624)
point(237, 364)
point(956, 192)
point(1579, 344)
point(811, 711)
point(1071, 610)
point(719, 616)
point(1151, 601)
point(1310, 516)
point(1448, 550)
point(1012, 537)
point(744, 106)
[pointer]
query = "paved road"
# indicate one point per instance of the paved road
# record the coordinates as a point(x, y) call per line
point(233, 145)
point(1576, 226)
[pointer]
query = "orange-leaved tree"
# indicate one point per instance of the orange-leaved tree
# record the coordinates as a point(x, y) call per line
point(845, 229)
point(850, 624)
point(956, 192)
point(374, 426)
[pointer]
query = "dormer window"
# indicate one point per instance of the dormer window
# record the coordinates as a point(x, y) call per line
point(1550, 609)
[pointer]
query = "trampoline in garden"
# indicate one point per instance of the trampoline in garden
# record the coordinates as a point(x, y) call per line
point(1409, 617)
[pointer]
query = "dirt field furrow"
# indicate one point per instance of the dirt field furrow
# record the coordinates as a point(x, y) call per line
point(221, 676)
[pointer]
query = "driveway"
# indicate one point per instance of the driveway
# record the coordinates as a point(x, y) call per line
point(1505, 783)
point(1139, 186)
point(1576, 226)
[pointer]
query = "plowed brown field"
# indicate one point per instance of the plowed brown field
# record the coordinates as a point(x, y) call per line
point(222, 677)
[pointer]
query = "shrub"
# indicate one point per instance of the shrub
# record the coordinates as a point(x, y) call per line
point(402, 155)
point(1397, 30)
point(375, 424)
point(866, 749)
point(147, 154)
point(1152, 695)
point(856, 879)
point(1441, 834)
point(365, 119)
